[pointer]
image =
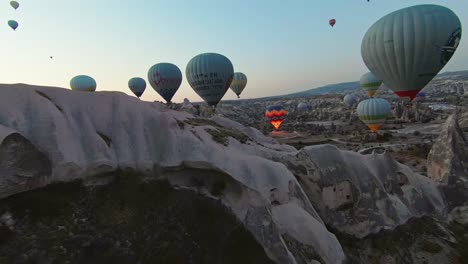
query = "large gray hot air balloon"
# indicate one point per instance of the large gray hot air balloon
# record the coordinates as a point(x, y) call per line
point(210, 75)
point(408, 47)
point(165, 78)
point(238, 83)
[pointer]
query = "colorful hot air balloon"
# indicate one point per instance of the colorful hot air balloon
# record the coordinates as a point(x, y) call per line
point(238, 83)
point(83, 83)
point(276, 114)
point(137, 85)
point(210, 75)
point(350, 100)
point(373, 112)
point(408, 47)
point(14, 4)
point(302, 107)
point(370, 83)
point(332, 22)
point(13, 24)
point(165, 78)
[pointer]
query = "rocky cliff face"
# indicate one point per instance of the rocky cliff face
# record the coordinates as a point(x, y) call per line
point(363, 194)
point(56, 135)
point(85, 173)
point(448, 158)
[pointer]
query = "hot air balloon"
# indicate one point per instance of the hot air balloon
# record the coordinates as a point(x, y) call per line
point(370, 83)
point(137, 85)
point(165, 78)
point(373, 112)
point(302, 107)
point(408, 47)
point(332, 22)
point(14, 4)
point(83, 83)
point(210, 75)
point(13, 24)
point(350, 100)
point(238, 83)
point(276, 114)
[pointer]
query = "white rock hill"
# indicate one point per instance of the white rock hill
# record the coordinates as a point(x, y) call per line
point(51, 134)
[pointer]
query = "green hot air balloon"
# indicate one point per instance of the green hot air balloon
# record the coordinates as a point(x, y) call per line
point(13, 24)
point(210, 75)
point(83, 83)
point(14, 4)
point(408, 47)
point(137, 85)
point(238, 83)
point(370, 83)
point(373, 112)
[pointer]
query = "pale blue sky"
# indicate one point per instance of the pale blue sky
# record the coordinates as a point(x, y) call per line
point(282, 46)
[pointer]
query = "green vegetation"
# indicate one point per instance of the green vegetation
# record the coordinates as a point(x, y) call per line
point(221, 135)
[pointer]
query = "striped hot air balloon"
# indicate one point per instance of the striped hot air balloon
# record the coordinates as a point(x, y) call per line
point(238, 83)
point(210, 75)
point(276, 115)
point(83, 83)
point(332, 22)
point(373, 112)
point(408, 47)
point(370, 83)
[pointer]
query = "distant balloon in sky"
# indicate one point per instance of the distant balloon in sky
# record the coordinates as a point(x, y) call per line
point(408, 47)
point(350, 100)
point(83, 83)
point(332, 22)
point(370, 83)
point(165, 78)
point(14, 4)
point(238, 83)
point(210, 75)
point(373, 112)
point(137, 85)
point(276, 115)
point(302, 107)
point(13, 24)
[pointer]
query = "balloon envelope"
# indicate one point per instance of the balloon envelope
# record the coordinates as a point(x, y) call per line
point(370, 83)
point(276, 115)
point(302, 107)
point(137, 85)
point(13, 24)
point(350, 100)
point(408, 47)
point(210, 75)
point(238, 83)
point(14, 4)
point(165, 78)
point(373, 112)
point(332, 22)
point(83, 83)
